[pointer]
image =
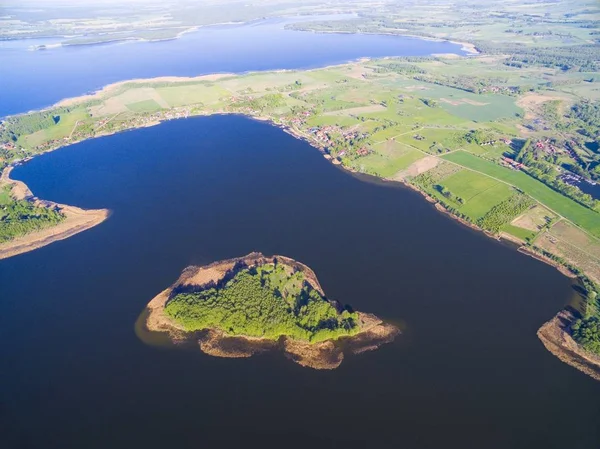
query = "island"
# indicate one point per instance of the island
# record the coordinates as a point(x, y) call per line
point(248, 305)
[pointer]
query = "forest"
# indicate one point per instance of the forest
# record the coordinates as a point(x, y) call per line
point(21, 217)
point(586, 332)
point(265, 301)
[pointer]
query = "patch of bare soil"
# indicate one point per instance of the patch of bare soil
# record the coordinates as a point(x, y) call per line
point(467, 46)
point(473, 102)
point(527, 221)
point(556, 338)
point(19, 189)
point(511, 238)
point(324, 355)
point(416, 168)
point(356, 71)
point(460, 101)
point(77, 220)
point(216, 343)
point(530, 103)
point(578, 257)
point(450, 102)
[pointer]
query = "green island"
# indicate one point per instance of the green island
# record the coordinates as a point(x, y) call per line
point(499, 140)
point(251, 304)
point(267, 301)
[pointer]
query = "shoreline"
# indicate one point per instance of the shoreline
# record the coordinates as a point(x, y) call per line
point(467, 47)
point(76, 220)
point(327, 354)
point(299, 135)
point(556, 339)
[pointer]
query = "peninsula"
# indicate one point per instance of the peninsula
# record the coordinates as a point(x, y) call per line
point(248, 305)
point(28, 223)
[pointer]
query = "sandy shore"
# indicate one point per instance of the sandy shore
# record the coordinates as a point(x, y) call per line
point(324, 355)
point(77, 220)
point(559, 342)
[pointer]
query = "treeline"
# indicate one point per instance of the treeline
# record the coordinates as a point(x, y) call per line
point(21, 217)
point(542, 170)
point(588, 113)
point(582, 58)
point(400, 68)
point(14, 127)
point(266, 102)
point(505, 212)
point(585, 330)
point(470, 84)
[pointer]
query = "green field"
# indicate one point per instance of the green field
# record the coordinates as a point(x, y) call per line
point(387, 166)
point(481, 203)
point(523, 234)
point(468, 184)
point(183, 95)
point(4, 196)
point(144, 106)
point(578, 214)
point(434, 138)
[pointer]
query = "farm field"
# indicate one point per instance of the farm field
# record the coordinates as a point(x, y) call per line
point(372, 117)
point(386, 165)
point(569, 209)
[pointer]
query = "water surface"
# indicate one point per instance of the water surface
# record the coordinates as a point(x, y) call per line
point(468, 371)
point(35, 79)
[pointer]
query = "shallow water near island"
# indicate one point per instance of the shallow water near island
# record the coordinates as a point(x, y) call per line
point(467, 372)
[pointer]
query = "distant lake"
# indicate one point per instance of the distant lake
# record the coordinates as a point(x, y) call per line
point(35, 79)
point(467, 372)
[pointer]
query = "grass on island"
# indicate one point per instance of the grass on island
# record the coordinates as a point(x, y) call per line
point(267, 302)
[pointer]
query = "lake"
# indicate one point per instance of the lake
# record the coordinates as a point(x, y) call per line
point(467, 372)
point(36, 79)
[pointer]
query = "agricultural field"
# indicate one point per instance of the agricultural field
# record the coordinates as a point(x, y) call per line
point(387, 163)
point(144, 106)
point(524, 235)
point(578, 214)
point(397, 118)
point(569, 243)
point(534, 220)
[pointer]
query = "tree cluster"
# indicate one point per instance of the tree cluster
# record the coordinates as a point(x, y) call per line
point(265, 301)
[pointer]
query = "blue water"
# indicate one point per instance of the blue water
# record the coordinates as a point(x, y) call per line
point(467, 372)
point(35, 79)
